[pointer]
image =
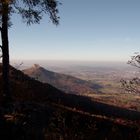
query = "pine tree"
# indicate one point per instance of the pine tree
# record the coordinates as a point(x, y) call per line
point(31, 11)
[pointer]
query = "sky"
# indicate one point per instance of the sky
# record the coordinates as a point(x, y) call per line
point(89, 30)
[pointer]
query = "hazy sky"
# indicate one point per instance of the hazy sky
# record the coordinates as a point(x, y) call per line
point(88, 30)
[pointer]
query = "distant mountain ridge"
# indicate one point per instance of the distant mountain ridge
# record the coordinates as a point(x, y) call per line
point(66, 83)
point(26, 89)
point(42, 112)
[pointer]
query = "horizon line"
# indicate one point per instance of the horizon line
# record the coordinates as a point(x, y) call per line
point(72, 60)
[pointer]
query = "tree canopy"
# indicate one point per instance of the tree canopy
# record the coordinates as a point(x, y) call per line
point(133, 85)
point(31, 11)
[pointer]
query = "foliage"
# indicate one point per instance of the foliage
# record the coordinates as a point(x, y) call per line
point(135, 60)
point(133, 85)
point(31, 11)
point(28, 89)
point(41, 112)
point(46, 122)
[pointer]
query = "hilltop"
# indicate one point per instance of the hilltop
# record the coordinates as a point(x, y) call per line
point(43, 112)
point(66, 83)
point(24, 88)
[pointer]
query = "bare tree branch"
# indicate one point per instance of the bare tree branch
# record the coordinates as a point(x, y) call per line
point(132, 85)
point(1, 50)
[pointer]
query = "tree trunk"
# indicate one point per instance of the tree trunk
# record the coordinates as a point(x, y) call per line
point(5, 54)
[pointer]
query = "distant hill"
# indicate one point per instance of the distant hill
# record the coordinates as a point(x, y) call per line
point(42, 112)
point(66, 83)
point(24, 88)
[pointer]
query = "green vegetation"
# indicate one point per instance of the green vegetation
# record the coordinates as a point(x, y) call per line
point(129, 101)
point(31, 11)
point(41, 112)
point(33, 121)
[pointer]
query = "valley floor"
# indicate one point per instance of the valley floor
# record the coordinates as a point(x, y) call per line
point(128, 101)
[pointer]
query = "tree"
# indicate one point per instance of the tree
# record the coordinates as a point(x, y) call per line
point(133, 85)
point(31, 11)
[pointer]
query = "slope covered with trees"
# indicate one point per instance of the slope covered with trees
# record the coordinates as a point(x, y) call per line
point(40, 111)
point(31, 12)
point(66, 83)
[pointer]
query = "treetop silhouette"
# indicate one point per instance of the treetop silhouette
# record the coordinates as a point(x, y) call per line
point(31, 11)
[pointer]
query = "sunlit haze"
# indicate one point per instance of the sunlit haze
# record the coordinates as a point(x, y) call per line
point(94, 30)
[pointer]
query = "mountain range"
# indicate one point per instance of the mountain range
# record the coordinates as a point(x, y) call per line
point(24, 88)
point(66, 83)
point(42, 112)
